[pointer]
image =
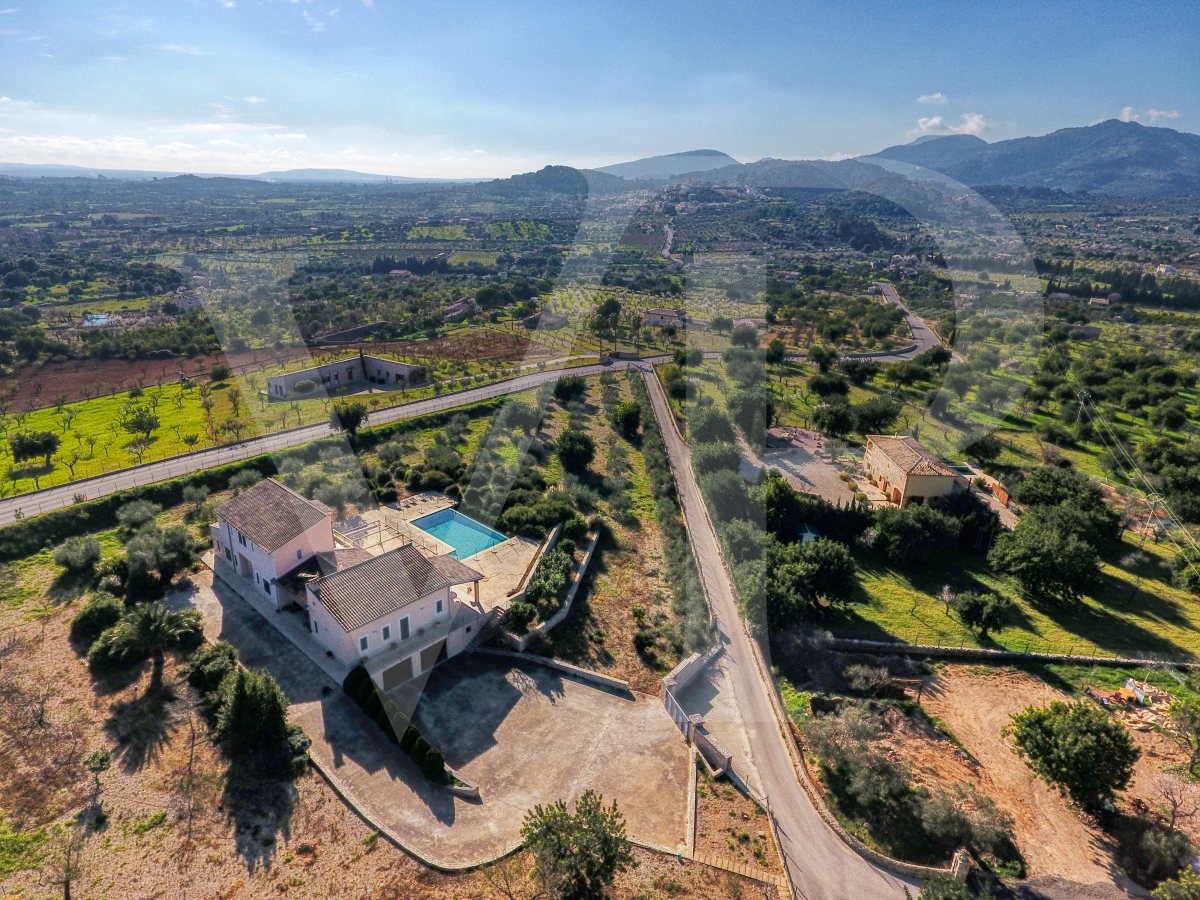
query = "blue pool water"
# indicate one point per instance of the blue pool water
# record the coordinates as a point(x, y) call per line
point(463, 533)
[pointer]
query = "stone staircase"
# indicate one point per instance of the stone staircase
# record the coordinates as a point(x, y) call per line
point(748, 870)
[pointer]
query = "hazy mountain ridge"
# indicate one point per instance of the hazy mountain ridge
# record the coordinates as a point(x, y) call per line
point(1122, 159)
point(1112, 157)
point(670, 165)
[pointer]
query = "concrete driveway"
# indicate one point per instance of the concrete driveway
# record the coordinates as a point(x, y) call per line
point(524, 734)
point(527, 735)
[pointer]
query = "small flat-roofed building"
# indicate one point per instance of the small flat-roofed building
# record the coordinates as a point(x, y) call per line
point(905, 471)
point(353, 372)
point(267, 531)
point(401, 611)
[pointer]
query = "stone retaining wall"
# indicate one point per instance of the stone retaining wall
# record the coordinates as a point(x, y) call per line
point(605, 681)
point(977, 654)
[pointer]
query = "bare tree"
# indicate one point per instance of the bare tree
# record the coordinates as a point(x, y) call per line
point(65, 857)
point(511, 878)
point(1178, 800)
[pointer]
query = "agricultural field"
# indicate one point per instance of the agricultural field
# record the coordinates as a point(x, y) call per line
point(1136, 611)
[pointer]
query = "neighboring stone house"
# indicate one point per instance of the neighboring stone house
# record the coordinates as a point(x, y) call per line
point(664, 318)
point(905, 471)
point(353, 372)
point(459, 310)
point(269, 530)
point(546, 320)
point(401, 610)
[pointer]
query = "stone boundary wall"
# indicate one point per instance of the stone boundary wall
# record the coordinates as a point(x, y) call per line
point(580, 571)
point(984, 654)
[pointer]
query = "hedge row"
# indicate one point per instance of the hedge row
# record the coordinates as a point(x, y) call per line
point(383, 711)
point(35, 533)
point(688, 601)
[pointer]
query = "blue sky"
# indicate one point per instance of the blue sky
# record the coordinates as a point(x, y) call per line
point(489, 89)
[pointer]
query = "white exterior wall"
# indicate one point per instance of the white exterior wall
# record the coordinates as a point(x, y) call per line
point(265, 566)
point(422, 617)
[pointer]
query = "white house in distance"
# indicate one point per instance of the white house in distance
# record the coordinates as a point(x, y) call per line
point(400, 612)
point(905, 471)
point(664, 318)
point(351, 372)
point(269, 530)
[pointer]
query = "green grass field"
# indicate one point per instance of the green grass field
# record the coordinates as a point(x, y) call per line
point(1134, 612)
point(96, 443)
point(438, 232)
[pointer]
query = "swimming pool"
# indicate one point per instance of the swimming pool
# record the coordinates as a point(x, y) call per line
point(463, 533)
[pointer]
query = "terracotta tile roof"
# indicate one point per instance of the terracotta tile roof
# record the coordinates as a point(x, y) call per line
point(454, 571)
point(271, 514)
point(384, 584)
point(908, 455)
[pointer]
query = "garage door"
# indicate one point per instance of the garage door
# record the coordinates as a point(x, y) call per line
point(430, 655)
point(397, 674)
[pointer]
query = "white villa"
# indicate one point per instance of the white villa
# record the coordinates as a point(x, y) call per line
point(399, 611)
point(269, 530)
point(354, 372)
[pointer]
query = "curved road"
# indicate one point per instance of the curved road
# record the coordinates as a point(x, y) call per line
point(102, 485)
point(819, 864)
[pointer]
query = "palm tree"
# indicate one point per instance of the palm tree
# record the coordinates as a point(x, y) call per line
point(148, 631)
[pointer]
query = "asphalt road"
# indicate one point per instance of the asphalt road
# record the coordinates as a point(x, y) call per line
point(819, 865)
point(923, 335)
point(36, 502)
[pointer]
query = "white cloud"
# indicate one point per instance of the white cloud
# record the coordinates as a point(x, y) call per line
point(970, 123)
point(254, 100)
point(182, 49)
point(1152, 115)
point(937, 98)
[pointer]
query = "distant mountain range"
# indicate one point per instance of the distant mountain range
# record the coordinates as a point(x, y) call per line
point(301, 176)
point(1117, 158)
point(671, 165)
point(1123, 159)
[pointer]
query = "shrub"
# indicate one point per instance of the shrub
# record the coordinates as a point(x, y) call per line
point(409, 738)
point(420, 749)
point(433, 766)
point(520, 614)
point(251, 712)
point(137, 513)
point(101, 612)
point(78, 554)
point(209, 665)
point(574, 529)
point(106, 653)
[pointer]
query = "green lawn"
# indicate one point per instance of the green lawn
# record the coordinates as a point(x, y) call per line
point(1134, 613)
